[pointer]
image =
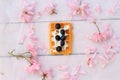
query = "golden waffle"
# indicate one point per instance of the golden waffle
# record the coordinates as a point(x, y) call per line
point(68, 40)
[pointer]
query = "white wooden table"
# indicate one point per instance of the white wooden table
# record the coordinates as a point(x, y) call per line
point(13, 69)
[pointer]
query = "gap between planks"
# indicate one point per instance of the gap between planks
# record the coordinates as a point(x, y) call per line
point(73, 54)
point(102, 19)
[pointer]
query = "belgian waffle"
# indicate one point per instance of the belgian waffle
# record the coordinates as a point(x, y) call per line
point(60, 37)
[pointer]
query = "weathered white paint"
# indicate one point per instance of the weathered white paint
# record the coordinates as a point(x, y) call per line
point(13, 69)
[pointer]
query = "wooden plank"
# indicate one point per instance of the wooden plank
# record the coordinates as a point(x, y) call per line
point(13, 69)
point(11, 13)
point(10, 35)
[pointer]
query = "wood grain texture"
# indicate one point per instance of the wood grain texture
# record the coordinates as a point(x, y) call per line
point(13, 69)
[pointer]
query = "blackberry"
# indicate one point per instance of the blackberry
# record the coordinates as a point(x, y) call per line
point(57, 26)
point(59, 48)
point(57, 37)
point(63, 37)
point(62, 32)
point(62, 43)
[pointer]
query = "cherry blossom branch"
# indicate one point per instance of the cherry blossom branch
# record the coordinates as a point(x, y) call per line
point(97, 27)
point(21, 55)
point(50, 8)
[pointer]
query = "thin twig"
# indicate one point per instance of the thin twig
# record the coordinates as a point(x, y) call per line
point(97, 27)
point(20, 56)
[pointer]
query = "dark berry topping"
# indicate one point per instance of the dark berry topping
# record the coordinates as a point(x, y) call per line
point(59, 48)
point(63, 38)
point(57, 26)
point(62, 31)
point(62, 43)
point(57, 37)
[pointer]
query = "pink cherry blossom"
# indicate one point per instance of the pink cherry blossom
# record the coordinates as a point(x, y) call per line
point(65, 76)
point(106, 58)
point(98, 9)
point(115, 7)
point(39, 15)
point(97, 37)
point(28, 11)
point(107, 33)
point(34, 67)
point(34, 40)
point(62, 67)
point(91, 50)
point(110, 50)
point(74, 75)
point(102, 36)
point(32, 49)
point(34, 44)
point(68, 76)
point(31, 46)
point(78, 8)
point(50, 8)
point(31, 30)
point(32, 35)
point(78, 70)
point(92, 56)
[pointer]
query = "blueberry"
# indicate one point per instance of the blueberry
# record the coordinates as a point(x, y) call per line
point(62, 43)
point(57, 26)
point(59, 48)
point(63, 37)
point(62, 31)
point(57, 37)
